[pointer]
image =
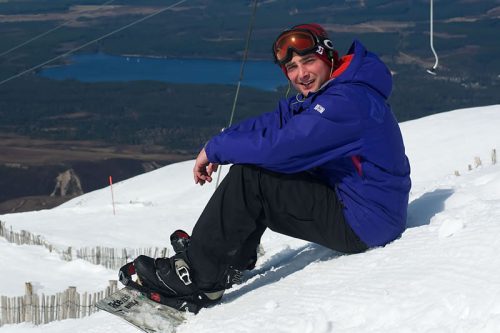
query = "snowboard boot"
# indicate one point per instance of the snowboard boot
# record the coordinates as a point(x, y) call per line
point(169, 281)
point(180, 240)
point(170, 276)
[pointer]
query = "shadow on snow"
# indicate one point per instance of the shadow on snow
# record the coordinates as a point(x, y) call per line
point(289, 261)
point(281, 265)
point(421, 210)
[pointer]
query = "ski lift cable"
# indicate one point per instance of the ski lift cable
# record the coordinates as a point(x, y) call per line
point(245, 56)
point(242, 69)
point(92, 42)
point(51, 30)
point(431, 33)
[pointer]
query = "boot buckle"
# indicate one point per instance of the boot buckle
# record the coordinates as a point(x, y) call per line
point(182, 270)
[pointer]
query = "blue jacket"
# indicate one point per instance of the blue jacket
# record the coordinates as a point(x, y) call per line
point(346, 134)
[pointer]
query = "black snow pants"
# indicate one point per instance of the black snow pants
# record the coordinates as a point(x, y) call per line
point(251, 199)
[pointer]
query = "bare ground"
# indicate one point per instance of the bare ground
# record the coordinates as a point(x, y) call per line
point(29, 168)
point(25, 151)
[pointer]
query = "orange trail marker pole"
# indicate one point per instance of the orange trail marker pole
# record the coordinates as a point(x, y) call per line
point(112, 195)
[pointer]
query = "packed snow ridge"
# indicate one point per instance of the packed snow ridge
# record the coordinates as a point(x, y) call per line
point(440, 276)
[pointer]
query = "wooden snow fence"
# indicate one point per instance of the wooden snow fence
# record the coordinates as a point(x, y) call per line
point(109, 257)
point(116, 258)
point(478, 162)
point(42, 309)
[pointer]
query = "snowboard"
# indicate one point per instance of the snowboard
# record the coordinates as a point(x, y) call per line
point(141, 312)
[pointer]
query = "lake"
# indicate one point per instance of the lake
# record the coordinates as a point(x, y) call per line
point(101, 67)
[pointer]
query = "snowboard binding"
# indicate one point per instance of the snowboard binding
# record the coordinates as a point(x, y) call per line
point(177, 290)
point(181, 303)
point(168, 281)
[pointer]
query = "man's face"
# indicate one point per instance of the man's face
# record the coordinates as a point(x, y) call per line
point(307, 73)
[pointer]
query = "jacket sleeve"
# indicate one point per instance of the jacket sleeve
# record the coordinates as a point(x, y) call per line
point(307, 140)
point(255, 123)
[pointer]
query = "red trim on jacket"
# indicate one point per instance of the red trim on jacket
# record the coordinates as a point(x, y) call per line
point(345, 61)
point(356, 160)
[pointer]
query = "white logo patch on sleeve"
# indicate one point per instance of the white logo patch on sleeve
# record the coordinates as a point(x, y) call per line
point(319, 108)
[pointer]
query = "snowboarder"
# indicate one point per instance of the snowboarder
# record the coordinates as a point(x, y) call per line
point(327, 166)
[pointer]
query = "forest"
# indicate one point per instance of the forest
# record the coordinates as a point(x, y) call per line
point(166, 122)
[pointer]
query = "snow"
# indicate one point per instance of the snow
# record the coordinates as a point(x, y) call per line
point(25, 263)
point(440, 276)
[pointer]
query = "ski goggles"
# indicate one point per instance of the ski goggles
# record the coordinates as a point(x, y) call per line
point(299, 41)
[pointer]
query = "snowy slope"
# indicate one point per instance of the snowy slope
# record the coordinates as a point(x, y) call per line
point(440, 276)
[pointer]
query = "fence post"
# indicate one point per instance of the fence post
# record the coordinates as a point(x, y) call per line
point(8, 311)
point(20, 310)
point(13, 310)
point(45, 308)
point(477, 161)
point(91, 304)
point(113, 286)
point(59, 306)
point(78, 304)
point(98, 255)
point(72, 302)
point(28, 302)
point(84, 304)
point(52, 309)
point(36, 309)
point(494, 156)
point(3, 306)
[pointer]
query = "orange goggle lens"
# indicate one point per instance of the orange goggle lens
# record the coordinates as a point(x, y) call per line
point(298, 41)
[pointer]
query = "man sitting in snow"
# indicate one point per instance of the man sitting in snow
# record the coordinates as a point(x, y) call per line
point(327, 166)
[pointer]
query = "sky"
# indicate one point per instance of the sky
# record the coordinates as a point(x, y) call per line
point(440, 276)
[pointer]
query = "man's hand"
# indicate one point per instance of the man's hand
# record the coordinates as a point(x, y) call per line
point(203, 169)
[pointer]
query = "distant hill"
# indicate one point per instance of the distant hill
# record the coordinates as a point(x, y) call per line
point(395, 30)
point(180, 118)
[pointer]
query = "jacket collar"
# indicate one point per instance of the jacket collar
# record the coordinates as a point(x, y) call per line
point(348, 65)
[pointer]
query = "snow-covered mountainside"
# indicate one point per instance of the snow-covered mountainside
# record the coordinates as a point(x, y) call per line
point(440, 276)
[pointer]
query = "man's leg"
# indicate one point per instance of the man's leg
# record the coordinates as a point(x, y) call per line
point(228, 227)
point(250, 199)
point(302, 206)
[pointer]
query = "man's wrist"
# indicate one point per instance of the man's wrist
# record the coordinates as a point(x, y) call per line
point(208, 151)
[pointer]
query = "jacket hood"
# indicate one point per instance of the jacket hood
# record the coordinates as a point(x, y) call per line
point(367, 69)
